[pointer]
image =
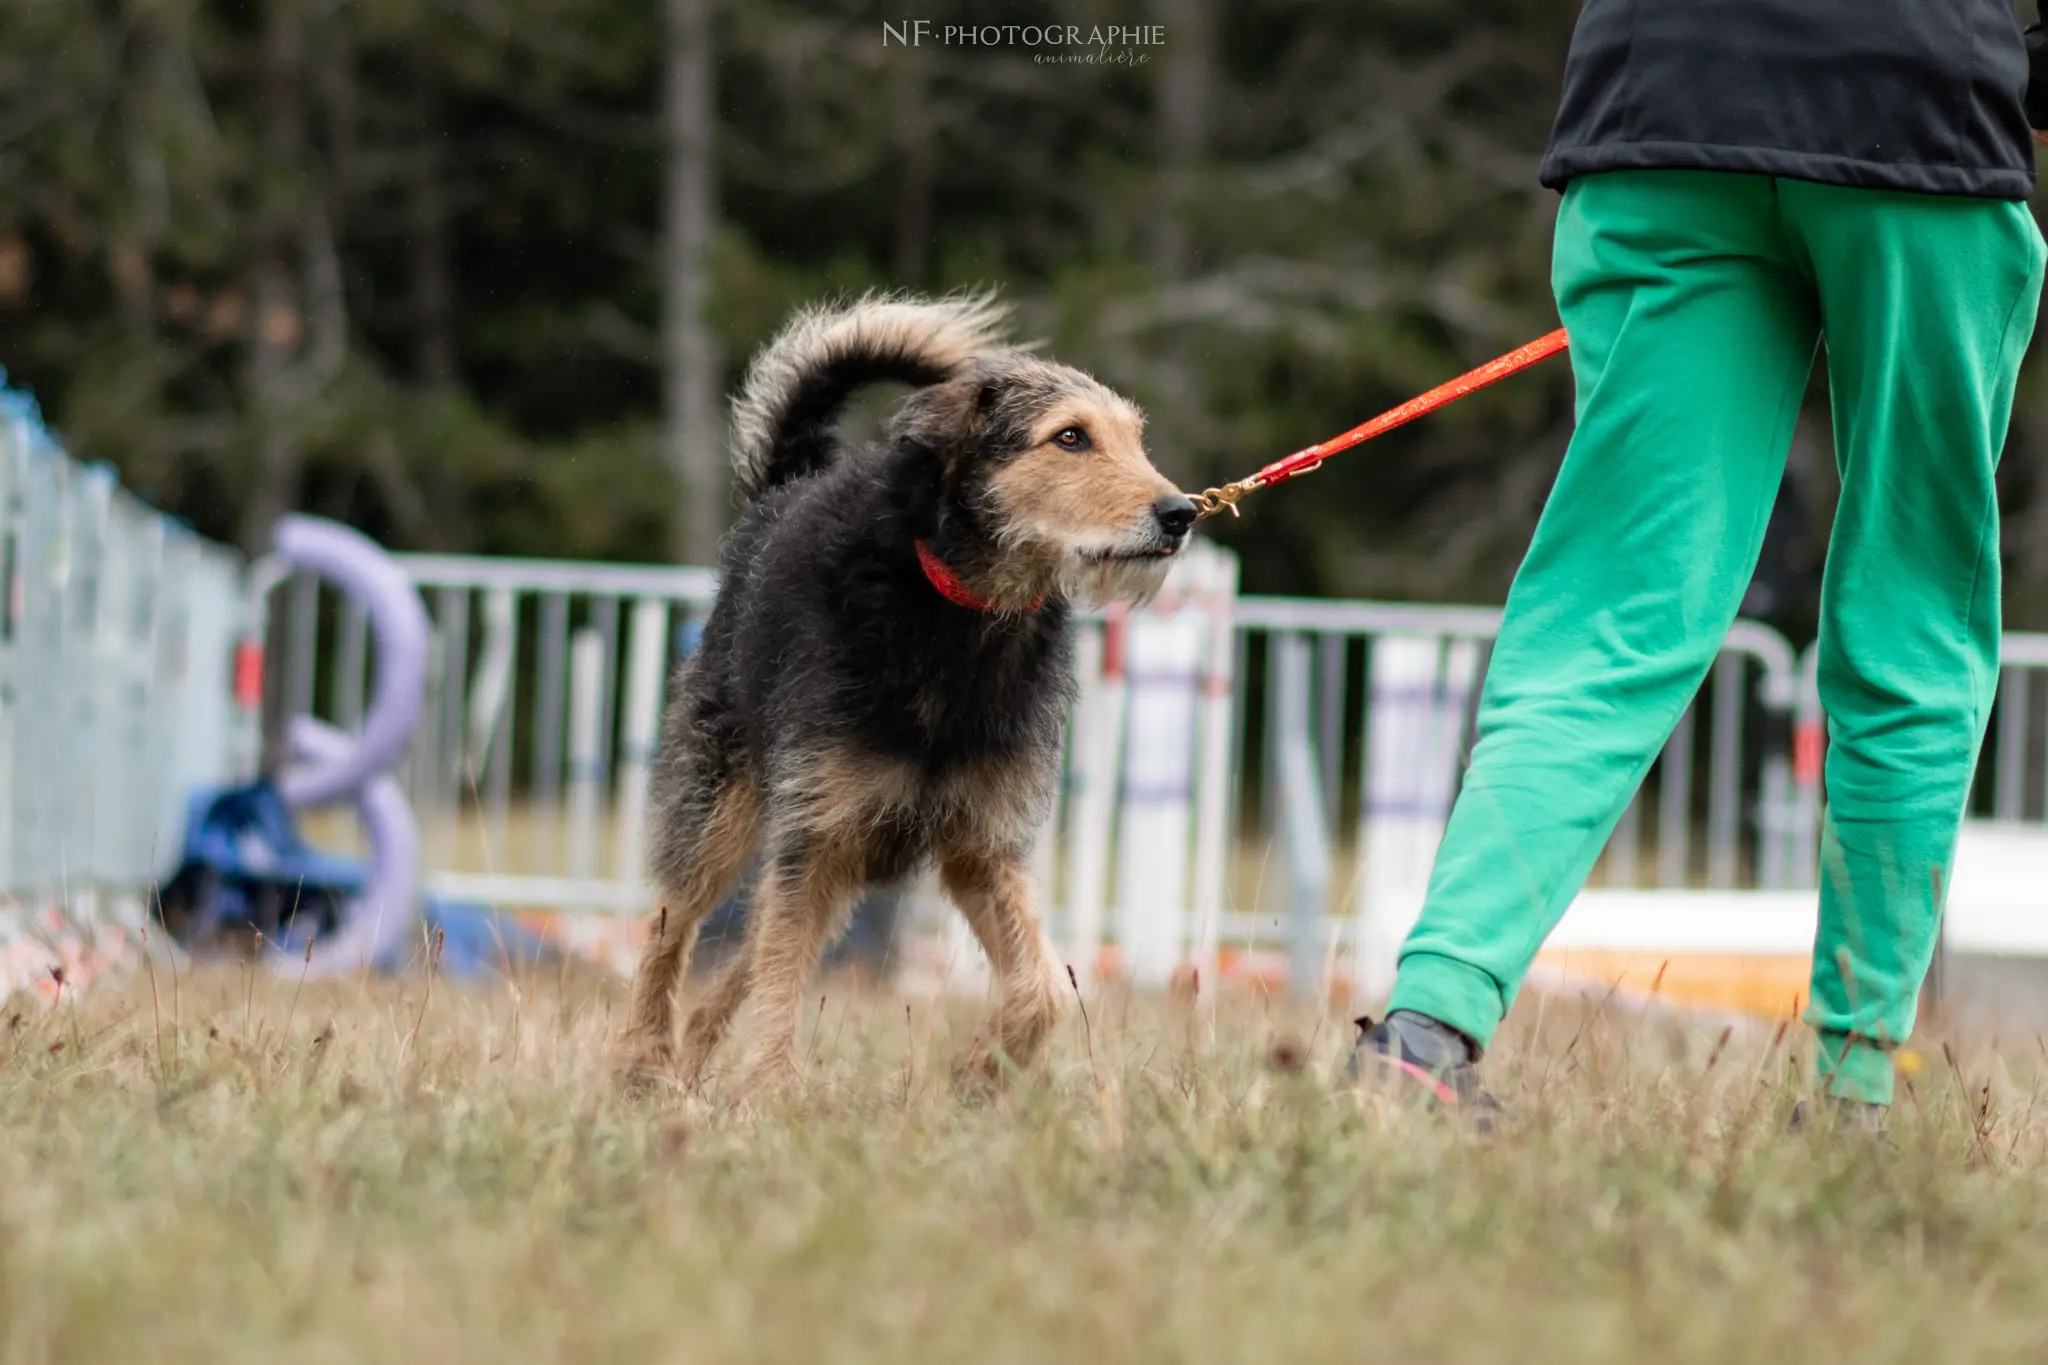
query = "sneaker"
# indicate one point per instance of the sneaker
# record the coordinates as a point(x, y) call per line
point(1429, 1060)
point(1858, 1117)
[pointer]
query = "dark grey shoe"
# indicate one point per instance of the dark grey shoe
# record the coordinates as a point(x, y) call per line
point(1414, 1054)
point(1857, 1117)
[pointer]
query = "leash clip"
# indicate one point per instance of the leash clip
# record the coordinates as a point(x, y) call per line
point(1210, 501)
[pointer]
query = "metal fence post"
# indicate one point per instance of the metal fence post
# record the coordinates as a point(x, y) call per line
point(586, 767)
point(646, 665)
point(1301, 804)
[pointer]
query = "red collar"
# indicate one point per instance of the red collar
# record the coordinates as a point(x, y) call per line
point(954, 588)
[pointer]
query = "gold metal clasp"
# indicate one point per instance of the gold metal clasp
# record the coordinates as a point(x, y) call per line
point(1210, 501)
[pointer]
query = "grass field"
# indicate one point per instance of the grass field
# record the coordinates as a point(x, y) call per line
point(226, 1169)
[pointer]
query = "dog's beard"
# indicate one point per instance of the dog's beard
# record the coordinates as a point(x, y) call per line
point(1092, 570)
point(1098, 582)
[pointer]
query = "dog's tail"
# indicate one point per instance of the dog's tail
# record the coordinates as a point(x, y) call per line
point(784, 418)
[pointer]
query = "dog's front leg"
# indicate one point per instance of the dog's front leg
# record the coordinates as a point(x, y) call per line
point(994, 893)
point(646, 1053)
point(712, 1019)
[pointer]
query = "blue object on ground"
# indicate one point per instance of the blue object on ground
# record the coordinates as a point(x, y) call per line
point(248, 871)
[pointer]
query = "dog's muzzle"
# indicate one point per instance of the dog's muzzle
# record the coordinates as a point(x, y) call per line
point(1161, 536)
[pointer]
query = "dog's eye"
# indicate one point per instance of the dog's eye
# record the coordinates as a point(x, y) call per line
point(1071, 438)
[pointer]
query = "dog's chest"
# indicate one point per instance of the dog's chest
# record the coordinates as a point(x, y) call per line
point(996, 704)
point(939, 689)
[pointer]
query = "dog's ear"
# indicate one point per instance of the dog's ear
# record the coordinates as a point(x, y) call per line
point(943, 419)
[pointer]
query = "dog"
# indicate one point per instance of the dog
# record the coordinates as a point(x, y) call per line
point(883, 677)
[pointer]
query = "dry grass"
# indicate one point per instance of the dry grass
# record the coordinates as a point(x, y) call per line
point(371, 1172)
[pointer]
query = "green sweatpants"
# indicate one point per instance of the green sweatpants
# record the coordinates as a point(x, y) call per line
point(1696, 302)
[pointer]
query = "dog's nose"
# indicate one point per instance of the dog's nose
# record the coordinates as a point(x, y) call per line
point(1175, 514)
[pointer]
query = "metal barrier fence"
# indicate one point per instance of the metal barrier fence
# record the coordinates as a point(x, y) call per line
point(1307, 751)
point(118, 629)
point(1388, 693)
point(1242, 771)
point(545, 682)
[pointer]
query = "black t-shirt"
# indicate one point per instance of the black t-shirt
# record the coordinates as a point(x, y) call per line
point(1928, 96)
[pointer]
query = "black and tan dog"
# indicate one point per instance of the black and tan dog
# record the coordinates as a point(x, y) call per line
point(883, 677)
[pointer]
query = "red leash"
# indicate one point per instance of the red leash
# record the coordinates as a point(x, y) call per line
point(1214, 500)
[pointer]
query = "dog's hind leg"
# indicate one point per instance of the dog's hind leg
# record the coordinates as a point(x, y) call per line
point(803, 900)
point(994, 893)
point(701, 848)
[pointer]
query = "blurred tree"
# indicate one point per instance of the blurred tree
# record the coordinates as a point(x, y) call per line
point(690, 379)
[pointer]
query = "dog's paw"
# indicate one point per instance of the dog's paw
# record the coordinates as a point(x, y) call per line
point(641, 1076)
point(980, 1073)
point(769, 1081)
point(638, 1087)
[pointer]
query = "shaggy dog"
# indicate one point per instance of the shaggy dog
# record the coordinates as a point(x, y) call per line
point(883, 678)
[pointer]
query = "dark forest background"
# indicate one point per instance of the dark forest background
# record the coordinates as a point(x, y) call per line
point(476, 274)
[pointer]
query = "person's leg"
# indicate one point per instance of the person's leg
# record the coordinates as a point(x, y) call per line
point(1927, 304)
point(1692, 337)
